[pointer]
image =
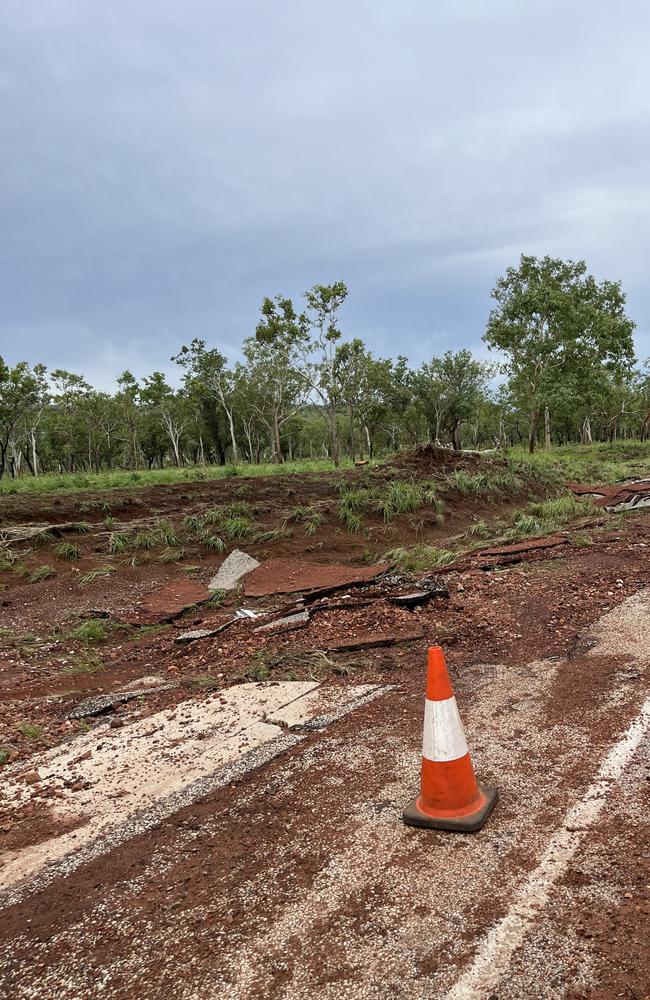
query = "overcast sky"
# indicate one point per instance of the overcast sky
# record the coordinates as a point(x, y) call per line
point(164, 165)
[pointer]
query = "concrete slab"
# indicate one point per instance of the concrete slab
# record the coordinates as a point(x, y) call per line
point(232, 571)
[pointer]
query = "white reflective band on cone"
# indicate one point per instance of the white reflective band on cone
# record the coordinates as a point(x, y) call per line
point(443, 738)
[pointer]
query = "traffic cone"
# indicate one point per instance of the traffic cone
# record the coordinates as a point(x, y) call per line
point(450, 797)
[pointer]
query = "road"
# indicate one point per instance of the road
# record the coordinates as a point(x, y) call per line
point(297, 879)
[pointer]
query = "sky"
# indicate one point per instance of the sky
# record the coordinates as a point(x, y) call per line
point(166, 165)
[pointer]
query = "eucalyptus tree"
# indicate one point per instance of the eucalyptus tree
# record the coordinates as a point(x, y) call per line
point(207, 368)
point(552, 319)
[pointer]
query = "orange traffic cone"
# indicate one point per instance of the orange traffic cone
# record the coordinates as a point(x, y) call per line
point(450, 797)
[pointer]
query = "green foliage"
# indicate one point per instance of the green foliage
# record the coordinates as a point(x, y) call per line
point(480, 529)
point(144, 540)
point(165, 533)
point(86, 662)
point(418, 558)
point(30, 730)
point(213, 542)
point(399, 497)
point(118, 542)
point(67, 550)
point(172, 555)
point(310, 517)
point(236, 527)
point(5, 755)
point(79, 527)
point(94, 574)
point(92, 630)
point(41, 573)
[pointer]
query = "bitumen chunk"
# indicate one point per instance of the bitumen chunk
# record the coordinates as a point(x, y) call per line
point(198, 633)
point(101, 703)
point(232, 570)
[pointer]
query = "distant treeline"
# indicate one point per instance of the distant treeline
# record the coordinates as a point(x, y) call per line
point(564, 371)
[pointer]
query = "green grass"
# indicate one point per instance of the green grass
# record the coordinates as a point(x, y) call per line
point(236, 526)
point(118, 542)
point(151, 477)
point(418, 558)
point(85, 663)
point(309, 517)
point(92, 630)
point(67, 550)
point(41, 573)
point(94, 574)
point(5, 754)
point(271, 535)
point(172, 555)
point(591, 464)
point(213, 542)
point(30, 730)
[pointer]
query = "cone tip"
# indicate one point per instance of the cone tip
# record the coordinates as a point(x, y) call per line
point(438, 683)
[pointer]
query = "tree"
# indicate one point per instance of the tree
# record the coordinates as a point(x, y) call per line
point(169, 409)
point(364, 384)
point(552, 319)
point(20, 391)
point(207, 368)
point(451, 389)
point(276, 382)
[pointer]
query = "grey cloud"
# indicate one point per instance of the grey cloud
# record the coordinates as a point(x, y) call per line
point(165, 166)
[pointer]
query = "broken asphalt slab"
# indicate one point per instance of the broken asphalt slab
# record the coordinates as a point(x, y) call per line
point(232, 571)
point(101, 703)
point(549, 542)
point(113, 779)
point(288, 576)
point(169, 602)
point(617, 496)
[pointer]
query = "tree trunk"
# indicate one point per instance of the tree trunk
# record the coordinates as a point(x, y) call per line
point(547, 429)
point(279, 457)
point(455, 435)
point(585, 433)
point(352, 434)
point(368, 440)
point(334, 438)
point(532, 436)
point(644, 428)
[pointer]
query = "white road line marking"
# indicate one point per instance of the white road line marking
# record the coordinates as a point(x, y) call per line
point(161, 778)
point(492, 960)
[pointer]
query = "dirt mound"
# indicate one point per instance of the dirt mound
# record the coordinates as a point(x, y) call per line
point(428, 458)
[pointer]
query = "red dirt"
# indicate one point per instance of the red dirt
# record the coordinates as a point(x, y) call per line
point(193, 871)
point(288, 576)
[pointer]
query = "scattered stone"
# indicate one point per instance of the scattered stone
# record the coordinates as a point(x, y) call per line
point(32, 777)
point(116, 723)
point(285, 624)
point(232, 570)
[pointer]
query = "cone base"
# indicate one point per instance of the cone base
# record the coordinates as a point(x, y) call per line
point(413, 816)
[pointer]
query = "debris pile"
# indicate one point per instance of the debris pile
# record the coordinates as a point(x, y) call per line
point(620, 496)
